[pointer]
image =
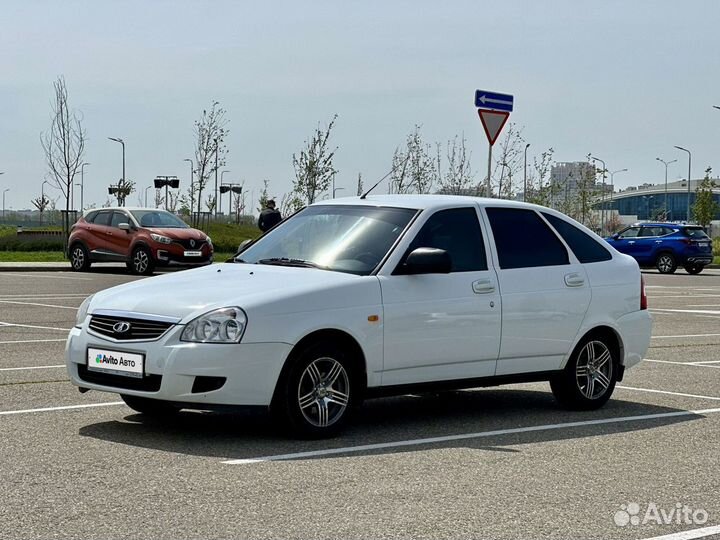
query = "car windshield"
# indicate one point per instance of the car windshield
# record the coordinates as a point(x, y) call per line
point(696, 232)
point(158, 218)
point(351, 239)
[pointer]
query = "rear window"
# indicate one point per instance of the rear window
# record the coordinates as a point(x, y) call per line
point(584, 246)
point(695, 232)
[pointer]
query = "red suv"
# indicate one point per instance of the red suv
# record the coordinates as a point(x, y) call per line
point(142, 238)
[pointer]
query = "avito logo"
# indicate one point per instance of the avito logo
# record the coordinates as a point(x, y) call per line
point(111, 360)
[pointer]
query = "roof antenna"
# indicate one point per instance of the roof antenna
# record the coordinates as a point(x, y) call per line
point(383, 178)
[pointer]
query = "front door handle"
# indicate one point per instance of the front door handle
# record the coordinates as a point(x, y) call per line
point(574, 280)
point(631, 242)
point(483, 286)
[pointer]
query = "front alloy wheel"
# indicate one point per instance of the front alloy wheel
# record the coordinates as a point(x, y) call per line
point(79, 258)
point(666, 263)
point(142, 262)
point(589, 378)
point(314, 399)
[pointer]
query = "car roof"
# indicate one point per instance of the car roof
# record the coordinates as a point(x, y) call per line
point(424, 202)
point(664, 224)
point(125, 208)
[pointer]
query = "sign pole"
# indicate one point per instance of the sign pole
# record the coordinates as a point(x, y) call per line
point(489, 186)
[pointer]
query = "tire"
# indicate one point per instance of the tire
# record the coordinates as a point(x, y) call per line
point(151, 407)
point(141, 261)
point(316, 397)
point(666, 263)
point(79, 258)
point(694, 268)
point(588, 380)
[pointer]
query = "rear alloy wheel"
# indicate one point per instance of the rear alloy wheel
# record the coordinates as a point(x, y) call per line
point(694, 268)
point(151, 407)
point(316, 397)
point(666, 263)
point(79, 258)
point(141, 262)
point(588, 380)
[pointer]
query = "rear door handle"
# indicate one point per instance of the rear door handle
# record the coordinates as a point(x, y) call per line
point(483, 286)
point(574, 280)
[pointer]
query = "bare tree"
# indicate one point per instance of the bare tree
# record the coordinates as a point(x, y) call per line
point(290, 203)
point(123, 191)
point(314, 166)
point(541, 189)
point(64, 146)
point(210, 203)
point(508, 161)
point(360, 185)
point(415, 170)
point(458, 178)
point(173, 200)
point(210, 149)
point(159, 199)
point(41, 203)
point(264, 197)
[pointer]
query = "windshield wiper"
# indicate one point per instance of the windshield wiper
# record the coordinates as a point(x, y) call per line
point(285, 261)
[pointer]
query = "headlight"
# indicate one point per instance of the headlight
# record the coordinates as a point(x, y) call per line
point(160, 238)
point(208, 240)
point(225, 325)
point(83, 310)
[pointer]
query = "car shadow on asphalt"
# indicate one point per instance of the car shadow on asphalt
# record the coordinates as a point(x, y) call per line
point(251, 434)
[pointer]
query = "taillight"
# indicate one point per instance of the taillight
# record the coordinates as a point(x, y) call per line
point(643, 295)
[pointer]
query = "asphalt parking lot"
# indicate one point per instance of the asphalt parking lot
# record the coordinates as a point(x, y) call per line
point(503, 462)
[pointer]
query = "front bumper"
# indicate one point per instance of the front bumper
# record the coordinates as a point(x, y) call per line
point(251, 370)
point(635, 330)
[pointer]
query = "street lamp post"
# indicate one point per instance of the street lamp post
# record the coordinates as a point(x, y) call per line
point(42, 198)
point(602, 199)
point(3, 214)
point(222, 174)
point(122, 180)
point(82, 186)
point(525, 173)
point(336, 189)
point(192, 189)
point(689, 173)
point(612, 184)
point(149, 187)
point(216, 182)
point(666, 163)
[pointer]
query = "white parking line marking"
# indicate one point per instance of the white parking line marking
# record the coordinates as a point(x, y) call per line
point(708, 362)
point(684, 296)
point(713, 398)
point(703, 305)
point(34, 326)
point(693, 364)
point(36, 275)
point(689, 535)
point(35, 304)
point(30, 341)
point(64, 408)
point(30, 367)
point(46, 295)
point(684, 336)
point(464, 436)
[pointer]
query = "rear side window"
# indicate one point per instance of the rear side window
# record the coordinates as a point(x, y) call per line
point(457, 231)
point(652, 231)
point(695, 232)
point(584, 246)
point(102, 218)
point(523, 239)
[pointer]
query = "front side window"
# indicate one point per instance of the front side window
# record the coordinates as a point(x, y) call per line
point(523, 239)
point(118, 218)
point(351, 239)
point(630, 232)
point(457, 231)
point(584, 246)
point(652, 231)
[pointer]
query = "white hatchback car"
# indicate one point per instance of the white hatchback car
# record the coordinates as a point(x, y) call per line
point(355, 298)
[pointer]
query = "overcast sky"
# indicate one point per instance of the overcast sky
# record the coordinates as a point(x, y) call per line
point(624, 80)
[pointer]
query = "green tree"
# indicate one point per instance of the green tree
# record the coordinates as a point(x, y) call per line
point(705, 207)
point(314, 165)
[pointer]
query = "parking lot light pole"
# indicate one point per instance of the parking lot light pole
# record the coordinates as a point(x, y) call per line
point(612, 184)
point(82, 186)
point(666, 163)
point(119, 140)
point(602, 199)
point(149, 187)
point(525, 173)
point(3, 214)
point(219, 202)
point(689, 173)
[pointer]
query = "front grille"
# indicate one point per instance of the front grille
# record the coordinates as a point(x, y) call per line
point(149, 383)
point(141, 329)
point(186, 244)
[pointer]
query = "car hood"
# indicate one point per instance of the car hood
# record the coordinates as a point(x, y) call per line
point(176, 233)
point(189, 293)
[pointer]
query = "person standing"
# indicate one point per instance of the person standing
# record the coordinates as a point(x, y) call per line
point(269, 217)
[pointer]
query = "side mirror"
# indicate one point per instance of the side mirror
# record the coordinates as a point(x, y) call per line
point(425, 260)
point(616, 236)
point(244, 244)
point(124, 226)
